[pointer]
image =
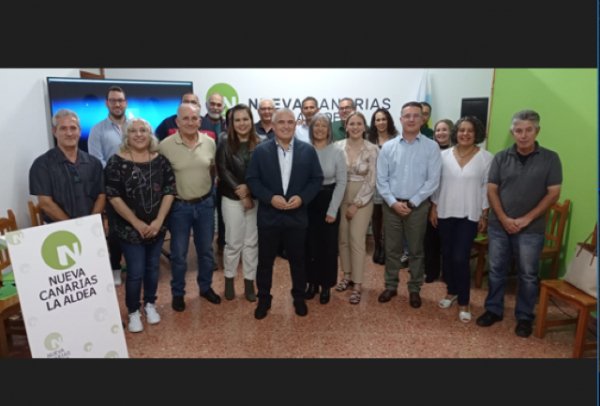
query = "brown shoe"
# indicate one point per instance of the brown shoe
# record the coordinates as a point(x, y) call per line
point(386, 295)
point(414, 299)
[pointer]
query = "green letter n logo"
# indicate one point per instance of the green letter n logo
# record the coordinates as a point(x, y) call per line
point(61, 250)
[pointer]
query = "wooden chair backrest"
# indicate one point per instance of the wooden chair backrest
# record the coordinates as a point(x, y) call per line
point(556, 220)
point(6, 224)
point(35, 214)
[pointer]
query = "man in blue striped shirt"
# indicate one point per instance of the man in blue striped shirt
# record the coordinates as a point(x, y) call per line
point(408, 172)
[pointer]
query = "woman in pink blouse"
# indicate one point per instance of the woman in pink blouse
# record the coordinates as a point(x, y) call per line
point(357, 205)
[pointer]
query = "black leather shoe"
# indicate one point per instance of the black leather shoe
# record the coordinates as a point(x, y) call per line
point(386, 295)
point(325, 296)
point(414, 299)
point(523, 328)
point(300, 306)
point(487, 319)
point(178, 303)
point(311, 291)
point(211, 296)
point(261, 310)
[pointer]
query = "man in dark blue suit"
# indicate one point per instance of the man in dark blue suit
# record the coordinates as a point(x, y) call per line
point(284, 174)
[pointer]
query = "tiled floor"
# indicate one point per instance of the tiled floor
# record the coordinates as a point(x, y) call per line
point(335, 330)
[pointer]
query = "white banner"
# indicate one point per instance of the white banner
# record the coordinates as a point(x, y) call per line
point(66, 290)
point(370, 88)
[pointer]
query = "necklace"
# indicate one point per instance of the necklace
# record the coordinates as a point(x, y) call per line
point(141, 184)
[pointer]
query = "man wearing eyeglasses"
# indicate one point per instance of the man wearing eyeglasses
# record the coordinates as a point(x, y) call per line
point(346, 107)
point(408, 172)
point(103, 142)
point(264, 126)
point(67, 181)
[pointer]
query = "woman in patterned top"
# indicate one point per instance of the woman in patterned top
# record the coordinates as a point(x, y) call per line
point(357, 205)
point(140, 186)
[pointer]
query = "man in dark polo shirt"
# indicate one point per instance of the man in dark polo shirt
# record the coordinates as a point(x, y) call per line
point(264, 126)
point(524, 181)
point(68, 182)
point(425, 130)
point(346, 107)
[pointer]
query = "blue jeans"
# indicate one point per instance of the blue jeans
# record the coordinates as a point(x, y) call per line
point(200, 218)
point(142, 266)
point(526, 249)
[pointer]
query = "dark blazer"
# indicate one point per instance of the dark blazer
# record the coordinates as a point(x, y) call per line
point(263, 177)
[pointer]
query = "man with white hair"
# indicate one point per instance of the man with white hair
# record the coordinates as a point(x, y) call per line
point(264, 126)
point(284, 174)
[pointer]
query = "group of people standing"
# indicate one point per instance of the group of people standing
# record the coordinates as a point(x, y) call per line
point(303, 188)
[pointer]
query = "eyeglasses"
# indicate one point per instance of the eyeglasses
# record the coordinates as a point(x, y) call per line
point(73, 172)
point(115, 101)
point(345, 108)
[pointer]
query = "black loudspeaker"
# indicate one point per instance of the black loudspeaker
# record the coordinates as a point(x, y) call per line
point(475, 106)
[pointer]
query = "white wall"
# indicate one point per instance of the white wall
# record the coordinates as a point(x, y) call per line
point(25, 134)
point(448, 86)
point(24, 112)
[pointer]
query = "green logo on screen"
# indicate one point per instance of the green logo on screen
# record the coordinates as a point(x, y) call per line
point(230, 95)
point(61, 250)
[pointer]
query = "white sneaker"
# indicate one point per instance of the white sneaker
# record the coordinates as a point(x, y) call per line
point(117, 276)
point(446, 303)
point(464, 316)
point(152, 316)
point(135, 322)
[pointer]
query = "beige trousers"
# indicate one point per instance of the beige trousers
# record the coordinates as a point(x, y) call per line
point(353, 235)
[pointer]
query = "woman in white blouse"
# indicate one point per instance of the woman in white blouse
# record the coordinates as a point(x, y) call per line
point(357, 205)
point(460, 209)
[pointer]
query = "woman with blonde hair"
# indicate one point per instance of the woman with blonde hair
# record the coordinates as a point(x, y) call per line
point(357, 205)
point(140, 186)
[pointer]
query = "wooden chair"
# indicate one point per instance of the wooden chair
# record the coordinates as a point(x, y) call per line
point(6, 224)
point(480, 247)
point(581, 301)
point(35, 214)
point(556, 220)
point(10, 307)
